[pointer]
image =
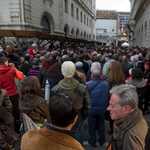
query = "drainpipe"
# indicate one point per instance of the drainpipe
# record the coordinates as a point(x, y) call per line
point(22, 11)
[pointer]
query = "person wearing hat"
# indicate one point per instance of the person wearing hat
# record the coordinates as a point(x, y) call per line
point(107, 65)
point(33, 51)
point(35, 70)
point(79, 66)
point(70, 84)
point(146, 76)
point(80, 72)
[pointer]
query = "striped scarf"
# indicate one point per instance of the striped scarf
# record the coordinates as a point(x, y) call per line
point(120, 124)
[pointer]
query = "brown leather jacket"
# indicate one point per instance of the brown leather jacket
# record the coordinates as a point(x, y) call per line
point(5, 101)
point(46, 139)
point(35, 107)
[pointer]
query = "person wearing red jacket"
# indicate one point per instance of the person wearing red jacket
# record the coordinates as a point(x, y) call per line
point(33, 51)
point(8, 73)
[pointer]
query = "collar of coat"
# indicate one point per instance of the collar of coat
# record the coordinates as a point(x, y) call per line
point(71, 132)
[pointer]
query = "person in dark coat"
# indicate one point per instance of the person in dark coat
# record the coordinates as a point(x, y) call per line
point(125, 66)
point(85, 66)
point(5, 108)
point(146, 76)
point(54, 74)
point(26, 66)
point(53, 60)
point(42, 76)
point(14, 59)
point(138, 81)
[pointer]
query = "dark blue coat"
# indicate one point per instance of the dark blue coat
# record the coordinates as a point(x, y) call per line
point(98, 97)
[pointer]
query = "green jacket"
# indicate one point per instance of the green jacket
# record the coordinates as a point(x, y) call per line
point(81, 90)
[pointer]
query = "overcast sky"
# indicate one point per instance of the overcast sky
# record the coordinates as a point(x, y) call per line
point(119, 5)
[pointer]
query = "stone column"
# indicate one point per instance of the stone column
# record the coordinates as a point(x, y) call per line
point(148, 35)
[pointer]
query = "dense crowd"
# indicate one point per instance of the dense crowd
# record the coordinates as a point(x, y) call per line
point(84, 84)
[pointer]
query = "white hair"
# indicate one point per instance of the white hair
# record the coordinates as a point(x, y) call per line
point(127, 95)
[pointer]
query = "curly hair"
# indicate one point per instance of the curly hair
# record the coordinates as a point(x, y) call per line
point(116, 74)
point(137, 73)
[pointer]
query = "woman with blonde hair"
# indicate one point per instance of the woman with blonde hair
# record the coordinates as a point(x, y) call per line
point(115, 77)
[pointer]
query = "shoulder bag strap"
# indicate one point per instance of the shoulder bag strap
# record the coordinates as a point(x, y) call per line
point(90, 91)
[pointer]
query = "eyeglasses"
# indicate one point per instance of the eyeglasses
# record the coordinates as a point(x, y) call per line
point(67, 97)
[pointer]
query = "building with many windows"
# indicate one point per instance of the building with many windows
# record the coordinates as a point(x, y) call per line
point(70, 18)
point(139, 23)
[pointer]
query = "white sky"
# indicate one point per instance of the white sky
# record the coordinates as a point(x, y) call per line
point(118, 5)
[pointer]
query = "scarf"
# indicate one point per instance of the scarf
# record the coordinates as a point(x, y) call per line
point(124, 123)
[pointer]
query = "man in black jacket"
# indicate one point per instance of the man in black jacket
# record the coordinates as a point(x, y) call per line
point(125, 66)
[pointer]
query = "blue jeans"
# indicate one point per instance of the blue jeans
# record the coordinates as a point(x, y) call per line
point(96, 121)
point(79, 134)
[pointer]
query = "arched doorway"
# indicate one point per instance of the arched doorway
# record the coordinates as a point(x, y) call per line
point(45, 24)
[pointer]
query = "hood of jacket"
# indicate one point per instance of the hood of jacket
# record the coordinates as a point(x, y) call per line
point(68, 84)
point(110, 60)
point(4, 69)
point(27, 102)
point(136, 83)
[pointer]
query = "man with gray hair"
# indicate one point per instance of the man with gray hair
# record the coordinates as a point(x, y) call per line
point(130, 128)
point(125, 66)
point(98, 91)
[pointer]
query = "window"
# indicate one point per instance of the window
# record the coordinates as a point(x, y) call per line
point(81, 16)
point(77, 14)
point(87, 21)
point(84, 19)
point(72, 32)
point(72, 10)
point(66, 6)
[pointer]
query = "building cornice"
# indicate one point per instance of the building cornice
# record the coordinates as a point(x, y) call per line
point(140, 10)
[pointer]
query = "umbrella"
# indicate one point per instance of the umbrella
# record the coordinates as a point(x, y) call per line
point(125, 44)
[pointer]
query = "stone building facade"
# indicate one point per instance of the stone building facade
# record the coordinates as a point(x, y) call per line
point(139, 24)
point(71, 18)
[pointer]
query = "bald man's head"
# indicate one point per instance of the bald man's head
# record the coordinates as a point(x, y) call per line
point(96, 73)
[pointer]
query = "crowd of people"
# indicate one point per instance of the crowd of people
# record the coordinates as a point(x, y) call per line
point(98, 83)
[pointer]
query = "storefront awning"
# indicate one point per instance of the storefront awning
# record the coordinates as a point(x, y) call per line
point(39, 35)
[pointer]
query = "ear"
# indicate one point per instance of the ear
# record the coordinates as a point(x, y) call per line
point(74, 120)
point(127, 109)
